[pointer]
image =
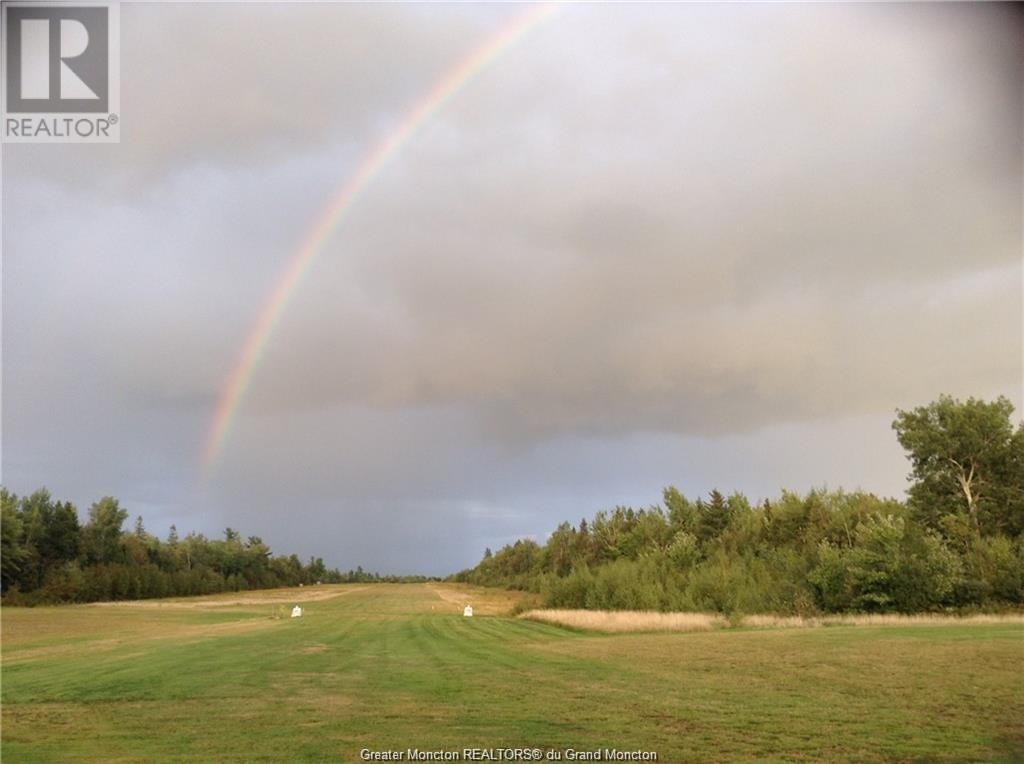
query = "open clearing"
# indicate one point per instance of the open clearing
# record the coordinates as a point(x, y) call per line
point(397, 666)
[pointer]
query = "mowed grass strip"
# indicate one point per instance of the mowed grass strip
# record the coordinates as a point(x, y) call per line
point(396, 666)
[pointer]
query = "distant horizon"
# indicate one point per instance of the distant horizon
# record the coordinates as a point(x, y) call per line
point(540, 536)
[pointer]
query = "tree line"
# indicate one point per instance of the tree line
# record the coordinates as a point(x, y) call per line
point(47, 555)
point(957, 541)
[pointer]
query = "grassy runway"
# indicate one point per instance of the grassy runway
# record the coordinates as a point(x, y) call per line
point(396, 666)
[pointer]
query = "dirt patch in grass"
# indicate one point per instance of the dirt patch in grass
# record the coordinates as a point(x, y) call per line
point(297, 594)
point(154, 631)
point(46, 714)
point(485, 601)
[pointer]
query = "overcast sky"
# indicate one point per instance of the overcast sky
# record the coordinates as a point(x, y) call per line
point(701, 245)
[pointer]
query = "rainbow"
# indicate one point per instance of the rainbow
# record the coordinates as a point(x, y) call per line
point(298, 267)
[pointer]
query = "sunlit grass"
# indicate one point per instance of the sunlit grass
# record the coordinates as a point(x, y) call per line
point(397, 666)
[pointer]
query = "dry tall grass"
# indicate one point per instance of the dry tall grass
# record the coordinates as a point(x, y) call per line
point(924, 619)
point(881, 619)
point(618, 621)
point(631, 620)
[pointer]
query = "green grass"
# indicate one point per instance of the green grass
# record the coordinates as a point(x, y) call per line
point(397, 667)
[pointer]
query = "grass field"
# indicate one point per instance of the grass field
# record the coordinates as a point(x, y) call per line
point(396, 666)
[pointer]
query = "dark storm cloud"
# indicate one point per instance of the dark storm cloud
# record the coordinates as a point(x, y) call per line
point(672, 243)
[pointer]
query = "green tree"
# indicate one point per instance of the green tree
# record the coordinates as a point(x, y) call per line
point(682, 515)
point(966, 459)
point(713, 516)
point(65, 534)
point(101, 536)
point(51, 535)
point(684, 551)
point(12, 539)
point(560, 549)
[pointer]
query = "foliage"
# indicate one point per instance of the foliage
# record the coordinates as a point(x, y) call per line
point(826, 551)
point(48, 557)
point(966, 460)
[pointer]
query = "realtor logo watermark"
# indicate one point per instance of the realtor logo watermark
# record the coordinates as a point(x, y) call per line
point(61, 72)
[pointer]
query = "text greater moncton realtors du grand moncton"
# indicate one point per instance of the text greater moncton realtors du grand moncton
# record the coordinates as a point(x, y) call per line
point(508, 754)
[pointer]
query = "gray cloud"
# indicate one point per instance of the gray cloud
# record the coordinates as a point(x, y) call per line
point(648, 244)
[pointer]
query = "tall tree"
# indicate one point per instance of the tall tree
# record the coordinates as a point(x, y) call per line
point(713, 516)
point(12, 538)
point(101, 536)
point(65, 532)
point(966, 459)
point(682, 514)
point(51, 534)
